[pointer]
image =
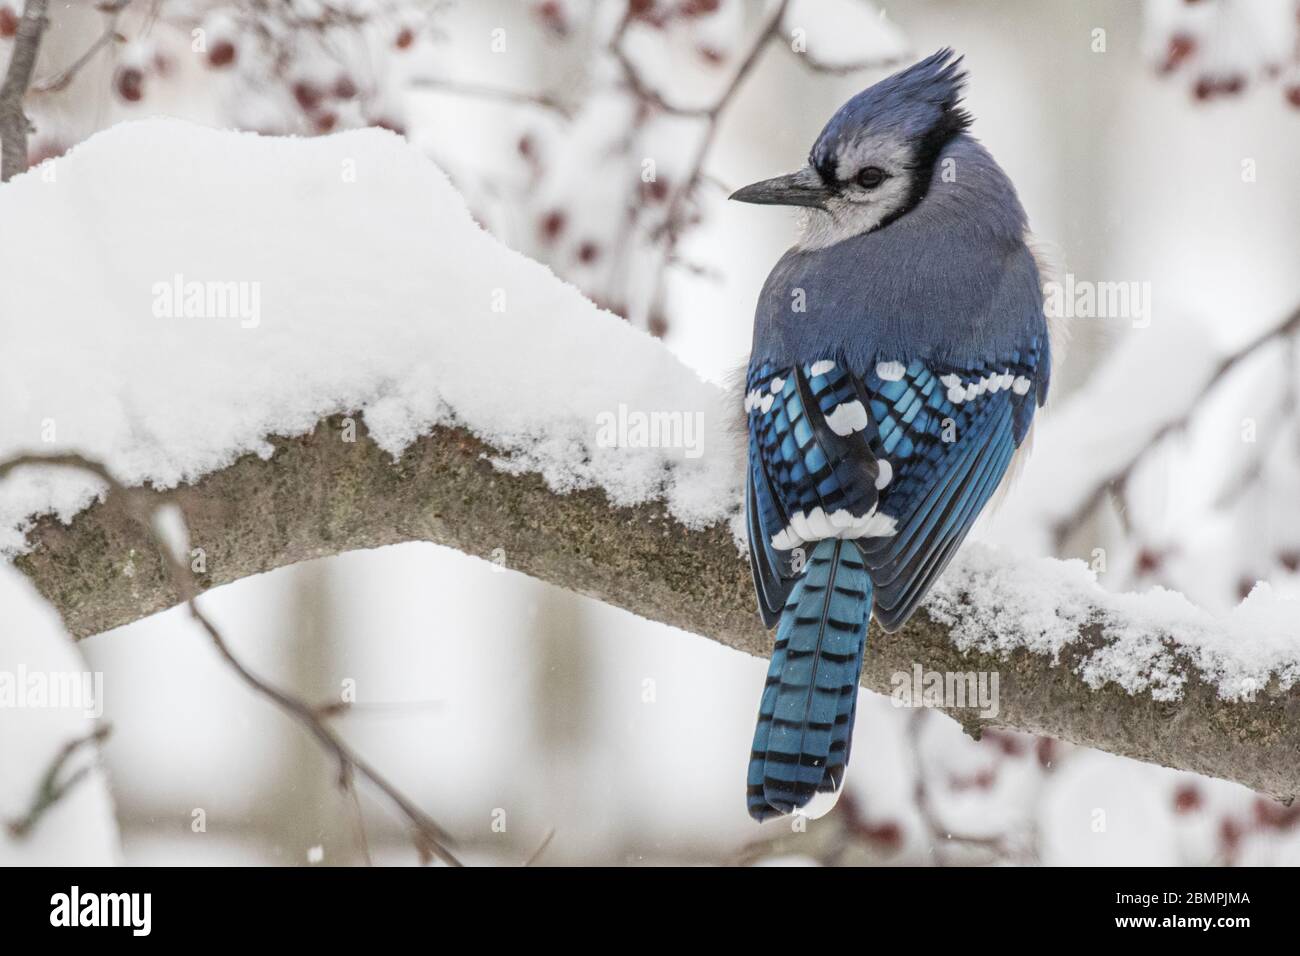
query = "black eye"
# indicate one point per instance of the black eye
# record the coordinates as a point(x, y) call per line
point(870, 177)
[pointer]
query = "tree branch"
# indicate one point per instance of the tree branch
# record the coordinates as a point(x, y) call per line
point(14, 124)
point(320, 495)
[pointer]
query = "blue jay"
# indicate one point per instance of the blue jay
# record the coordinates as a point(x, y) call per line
point(900, 350)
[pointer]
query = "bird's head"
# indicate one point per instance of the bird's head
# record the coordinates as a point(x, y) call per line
point(874, 160)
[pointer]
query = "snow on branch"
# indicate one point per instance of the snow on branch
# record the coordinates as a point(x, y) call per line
point(319, 351)
point(1107, 672)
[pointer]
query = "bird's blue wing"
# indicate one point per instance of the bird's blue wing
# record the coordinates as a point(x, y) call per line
point(949, 434)
point(905, 471)
point(801, 472)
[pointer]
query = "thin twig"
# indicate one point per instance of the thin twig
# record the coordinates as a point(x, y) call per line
point(770, 29)
point(51, 789)
point(358, 818)
point(14, 125)
point(643, 91)
point(61, 80)
point(379, 708)
point(429, 838)
point(541, 848)
point(1117, 479)
point(675, 222)
point(461, 88)
point(675, 219)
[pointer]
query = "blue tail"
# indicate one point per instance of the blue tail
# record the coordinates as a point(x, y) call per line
point(801, 744)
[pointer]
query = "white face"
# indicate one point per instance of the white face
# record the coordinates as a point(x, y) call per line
point(859, 206)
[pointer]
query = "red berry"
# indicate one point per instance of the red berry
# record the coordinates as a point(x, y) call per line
point(1290, 559)
point(405, 37)
point(1009, 744)
point(1229, 834)
point(1181, 46)
point(1275, 815)
point(654, 191)
point(1148, 561)
point(588, 252)
point(324, 122)
point(551, 13)
point(552, 225)
point(526, 147)
point(1204, 88)
point(698, 8)
point(639, 8)
point(8, 22)
point(344, 88)
point(307, 95)
point(129, 83)
point(221, 54)
point(1187, 798)
point(888, 836)
point(1293, 96)
point(658, 325)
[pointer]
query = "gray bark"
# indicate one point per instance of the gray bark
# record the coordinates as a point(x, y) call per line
point(13, 119)
point(319, 495)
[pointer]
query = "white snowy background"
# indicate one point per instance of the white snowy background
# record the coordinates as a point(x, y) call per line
point(484, 691)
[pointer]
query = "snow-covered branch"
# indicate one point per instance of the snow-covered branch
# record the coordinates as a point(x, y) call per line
point(1062, 671)
point(305, 361)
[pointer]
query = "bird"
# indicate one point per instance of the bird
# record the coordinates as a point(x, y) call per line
point(900, 351)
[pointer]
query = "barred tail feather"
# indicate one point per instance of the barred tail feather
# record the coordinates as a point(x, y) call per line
point(805, 718)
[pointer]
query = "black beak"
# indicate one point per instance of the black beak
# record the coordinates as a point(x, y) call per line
point(804, 188)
